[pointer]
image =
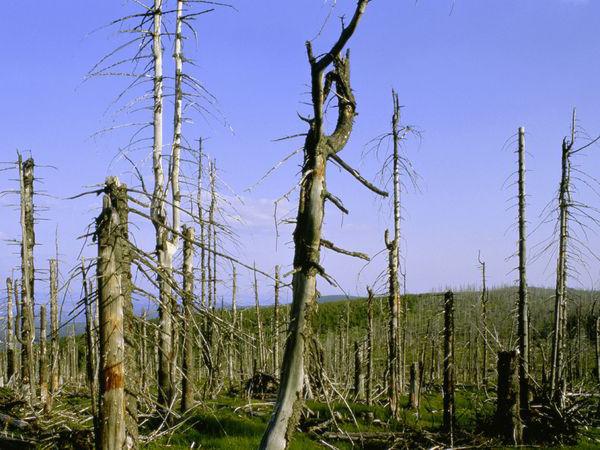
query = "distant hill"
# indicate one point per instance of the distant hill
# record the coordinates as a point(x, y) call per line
point(336, 298)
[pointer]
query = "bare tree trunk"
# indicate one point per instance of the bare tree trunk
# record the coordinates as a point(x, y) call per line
point(93, 382)
point(396, 200)
point(449, 363)
point(307, 235)
point(508, 420)
point(11, 354)
point(112, 343)
point(259, 328)
point(393, 370)
point(164, 248)
point(43, 359)
point(415, 385)
point(27, 278)
point(558, 342)
point(484, 325)
point(598, 349)
point(359, 375)
point(276, 325)
point(54, 344)
point(369, 387)
point(118, 198)
point(523, 331)
point(187, 391)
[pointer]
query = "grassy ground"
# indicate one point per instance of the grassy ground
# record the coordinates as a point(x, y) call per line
point(232, 424)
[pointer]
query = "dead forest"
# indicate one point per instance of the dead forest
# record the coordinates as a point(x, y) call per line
point(158, 352)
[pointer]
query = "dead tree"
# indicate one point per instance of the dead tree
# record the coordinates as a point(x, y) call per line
point(112, 435)
point(414, 386)
point(484, 324)
point(449, 379)
point(187, 376)
point(523, 319)
point(318, 149)
point(393, 361)
point(43, 358)
point(597, 341)
point(233, 328)
point(359, 375)
point(557, 381)
point(396, 137)
point(91, 363)
point(54, 342)
point(117, 193)
point(259, 327)
point(508, 421)
point(276, 324)
point(369, 381)
point(27, 278)
point(11, 354)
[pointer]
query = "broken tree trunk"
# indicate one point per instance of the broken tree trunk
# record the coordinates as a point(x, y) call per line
point(276, 325)
point(393, 360)
point(11, 354)
point(508, 420)
point(54, 345)
point(359, 375)
point(449, 363)
point(557, 381)
point(318, 148)
point(117, 193)
point(259, 327)
point(523, 319)
point(43, 358)
point(27, 278)
point(112, 343)
point(91, 362)
point(415, 386)
point(187, 376)
point(369, 383)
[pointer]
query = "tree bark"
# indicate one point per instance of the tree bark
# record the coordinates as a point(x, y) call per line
point(26, 178)
point(112, 343)
point(11, 354)
point(508, 420)
point(54, 320)
point(92, 361)
point(307, 235)
point(393, 362)
point(187, 391)
point(369, 384)
point(523, 327)
point(558, 341)
point(449, 363)
point(43, 359)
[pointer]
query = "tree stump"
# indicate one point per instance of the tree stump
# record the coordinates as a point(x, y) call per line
point(508, 418)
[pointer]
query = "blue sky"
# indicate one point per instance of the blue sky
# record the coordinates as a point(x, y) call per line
point(468, 73)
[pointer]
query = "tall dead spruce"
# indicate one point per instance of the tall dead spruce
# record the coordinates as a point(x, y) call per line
point(27, 277)
point(523, 315)
point(318, 149)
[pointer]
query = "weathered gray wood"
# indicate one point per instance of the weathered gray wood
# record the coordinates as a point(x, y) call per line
point(112, 343)
point(369, 381)
point(11, 354)
point(523, 316)
point(43, 358)
point(187, 391)
point(54, 341)
point(414, 386)
point(557, 382)
point(393, 382)
point(26, 178)
point(92, 351)
point(307, 234)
